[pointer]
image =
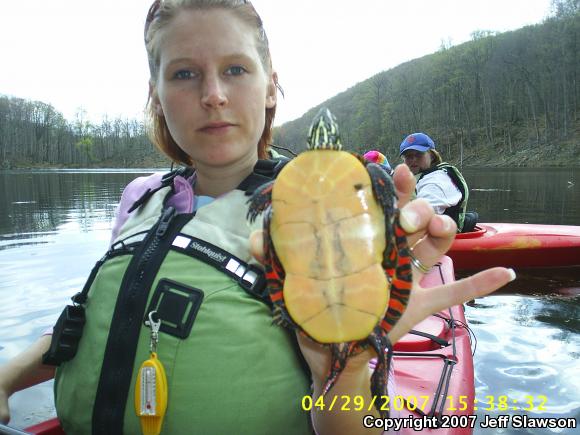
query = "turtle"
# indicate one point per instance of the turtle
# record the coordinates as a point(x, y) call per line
point(337, 262)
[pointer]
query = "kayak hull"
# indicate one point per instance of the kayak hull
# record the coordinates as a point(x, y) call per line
point(419, 369)
point(517, 246)
point(48, 427)
point(432, 370)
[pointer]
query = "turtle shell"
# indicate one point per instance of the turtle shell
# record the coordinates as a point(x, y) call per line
point(329, 233)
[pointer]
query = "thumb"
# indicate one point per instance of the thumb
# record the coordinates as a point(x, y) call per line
point(257, 245)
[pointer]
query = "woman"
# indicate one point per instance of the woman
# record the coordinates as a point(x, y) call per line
point(212, 100)
point(438, 182)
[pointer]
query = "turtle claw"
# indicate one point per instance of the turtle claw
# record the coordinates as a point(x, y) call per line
point(379, 379)
point(280, 318)
point(260, 201)
point(340, 352)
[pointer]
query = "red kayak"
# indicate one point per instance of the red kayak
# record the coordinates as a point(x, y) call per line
point(517, 245)
point(439, 368)
point(433, 370)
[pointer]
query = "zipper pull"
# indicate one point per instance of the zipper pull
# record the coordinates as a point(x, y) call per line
point(165, 220)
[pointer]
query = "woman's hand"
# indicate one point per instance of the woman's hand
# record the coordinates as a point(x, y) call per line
point(23, 371)
point(429, 236)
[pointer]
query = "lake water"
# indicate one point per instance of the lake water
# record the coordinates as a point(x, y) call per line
point(54, 225)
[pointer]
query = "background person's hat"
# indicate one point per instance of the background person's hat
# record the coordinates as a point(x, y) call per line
point(417, 141)
point(377, 157)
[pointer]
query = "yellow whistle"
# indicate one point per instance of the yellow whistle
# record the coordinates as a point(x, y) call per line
point(151, 395)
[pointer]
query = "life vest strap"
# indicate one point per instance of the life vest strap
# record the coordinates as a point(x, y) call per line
point(120, 350)
point(249, 277)
point(166, 180)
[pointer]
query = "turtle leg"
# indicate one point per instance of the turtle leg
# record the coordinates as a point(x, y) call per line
point(339, 354)
point(379, 379)
point(396, 259)
point(384, 192)
point(260, 200)
point(397, 264)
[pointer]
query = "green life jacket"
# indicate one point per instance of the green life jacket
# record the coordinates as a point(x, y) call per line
point(229, 370)
point(456, 212)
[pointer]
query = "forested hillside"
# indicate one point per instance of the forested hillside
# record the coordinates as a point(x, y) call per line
point(500, 99)
point(34, 134)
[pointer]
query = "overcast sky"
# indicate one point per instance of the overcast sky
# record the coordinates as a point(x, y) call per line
point(90, 54)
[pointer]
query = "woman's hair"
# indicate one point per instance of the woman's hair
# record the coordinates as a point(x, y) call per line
point(435, 157)
point(160, 15)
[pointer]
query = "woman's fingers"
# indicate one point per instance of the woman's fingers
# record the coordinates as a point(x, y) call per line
point(428, 235)
point(426, 301)
point(429, 249)
point(415, 219)
point(404, 184)
point(466, 289)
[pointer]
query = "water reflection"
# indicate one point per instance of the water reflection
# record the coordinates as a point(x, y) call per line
point(43, 201)
point(53, 227)
point(528, 352)
point(562, 313)
point(523, 195)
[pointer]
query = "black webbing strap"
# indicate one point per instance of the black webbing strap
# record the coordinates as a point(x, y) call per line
point(121, 347)
point(166, 180)
point(117, 248)
point(249, 277)
point(264, 172)
point(440, 341)
point(81, 297)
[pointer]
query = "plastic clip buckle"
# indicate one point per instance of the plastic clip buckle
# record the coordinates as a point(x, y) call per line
point(66, 336)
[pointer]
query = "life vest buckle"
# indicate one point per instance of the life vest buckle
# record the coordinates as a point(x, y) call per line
point(252, 280)
point(66, 336)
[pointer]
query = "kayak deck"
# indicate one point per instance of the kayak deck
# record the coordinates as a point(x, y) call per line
point(516, 245)
point(436, 375)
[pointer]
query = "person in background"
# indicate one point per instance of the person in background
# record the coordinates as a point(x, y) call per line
point(212, 98)
point(440, 183)
point(379, 158)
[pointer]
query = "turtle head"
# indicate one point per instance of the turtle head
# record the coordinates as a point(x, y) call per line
point(323, 133)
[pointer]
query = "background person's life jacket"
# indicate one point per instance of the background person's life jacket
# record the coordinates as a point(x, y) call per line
point(456, 212)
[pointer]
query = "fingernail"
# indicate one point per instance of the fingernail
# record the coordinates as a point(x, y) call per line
point(409, 220)
point(447, 224)
point(512, 274)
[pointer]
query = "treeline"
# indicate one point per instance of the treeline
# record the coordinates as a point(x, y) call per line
point(33, 133)
point(489, 97)
point(510, 98)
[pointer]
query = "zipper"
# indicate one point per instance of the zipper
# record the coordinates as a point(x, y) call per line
point(121, 346)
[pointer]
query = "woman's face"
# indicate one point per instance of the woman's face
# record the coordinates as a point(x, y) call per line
point(417, 161)
point(212, 88)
